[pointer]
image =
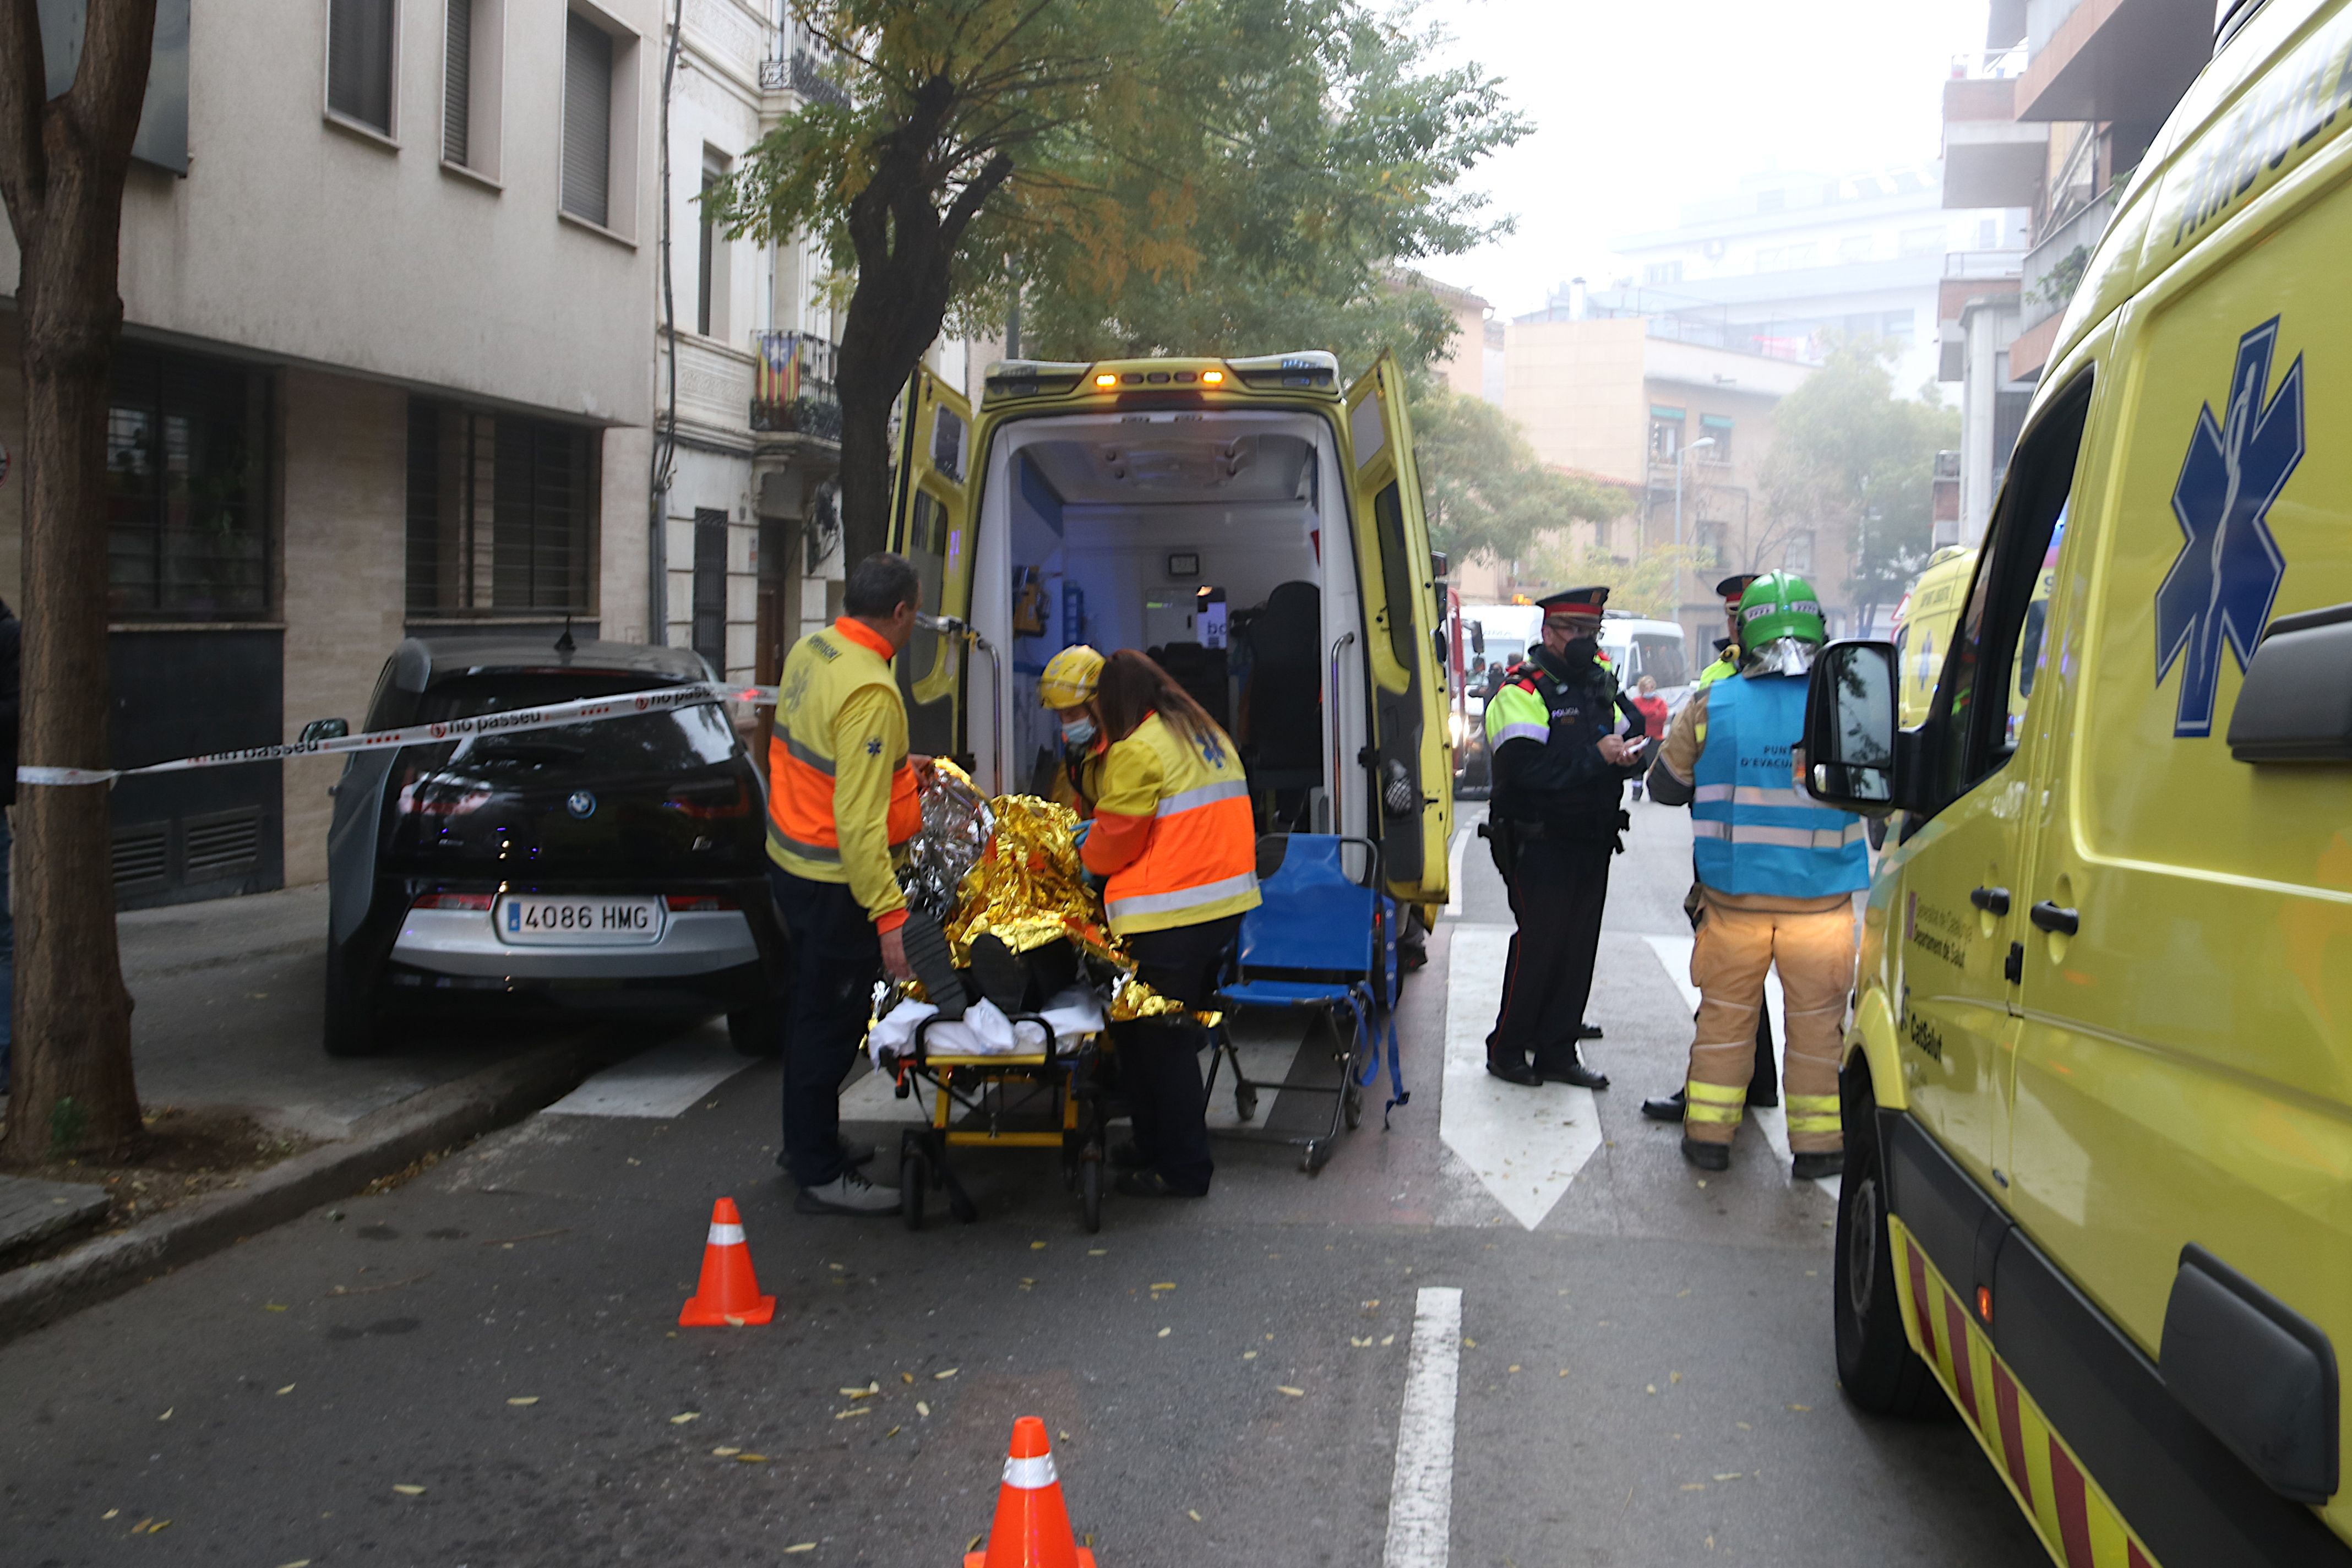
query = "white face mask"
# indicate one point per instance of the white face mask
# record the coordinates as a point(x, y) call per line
point(1078, 732)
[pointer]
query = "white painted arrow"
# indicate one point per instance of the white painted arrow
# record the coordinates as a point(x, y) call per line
point(1526, 1145)
point(1675, 952)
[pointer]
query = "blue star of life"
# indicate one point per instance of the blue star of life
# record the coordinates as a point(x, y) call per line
point(2223, 584)
point(873, 748)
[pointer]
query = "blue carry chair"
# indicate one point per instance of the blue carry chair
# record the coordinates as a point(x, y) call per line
point(1326, 942)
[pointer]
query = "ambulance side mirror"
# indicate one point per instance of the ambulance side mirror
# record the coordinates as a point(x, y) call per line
point(1850, 728)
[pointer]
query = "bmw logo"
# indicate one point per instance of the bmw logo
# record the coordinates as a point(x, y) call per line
point(582, 805)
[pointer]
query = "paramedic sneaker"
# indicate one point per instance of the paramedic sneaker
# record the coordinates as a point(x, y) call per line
point(849, 1193)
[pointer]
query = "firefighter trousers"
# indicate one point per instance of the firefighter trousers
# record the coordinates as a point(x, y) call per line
point(1730, 956)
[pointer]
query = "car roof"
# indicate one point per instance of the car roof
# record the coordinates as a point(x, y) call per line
point(420, 662)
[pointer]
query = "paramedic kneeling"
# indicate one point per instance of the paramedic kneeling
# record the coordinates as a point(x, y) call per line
point(1173, 834)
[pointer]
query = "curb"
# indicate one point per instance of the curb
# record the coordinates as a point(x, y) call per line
point(379, 1144)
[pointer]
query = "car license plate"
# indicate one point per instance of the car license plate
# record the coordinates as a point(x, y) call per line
point(578, 922)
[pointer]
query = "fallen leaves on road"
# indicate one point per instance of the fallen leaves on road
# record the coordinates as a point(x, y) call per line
point(110, 1513)
point(894, 1431)
point(750, 1459)
point(1193, 1514)
point(287, 1389)
point(922, 1410)
point(371, 1290)
point(1294, 1392)
point(1036, 1246)
point(405, 1490)
point(1165, 1332)
point(167, 1414)
point(1673, 1377)
point(1166, 1285)
point(1650, 1388)
point(298, 1563)
point(1467, 1345)
point(1360, 1344)
point(853, 1410)
point(1249, 1355)
point(525, 1400)
point(1098, 1252)
point(1387, 1338)
point(724, 1452)
point(683, 1417)
point(273, 1305)
point(1694, 1486)
point(800, 1546)
point(905, 1377)
point(942, 1377)
point(868, 1391)
point(1730, 1476)
point(1800, 1407)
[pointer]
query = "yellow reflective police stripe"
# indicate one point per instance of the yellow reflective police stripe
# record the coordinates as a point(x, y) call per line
point(1813, 1113)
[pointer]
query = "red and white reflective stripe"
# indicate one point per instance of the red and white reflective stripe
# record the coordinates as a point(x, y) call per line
point(1029, 1474)
point(726, 1236)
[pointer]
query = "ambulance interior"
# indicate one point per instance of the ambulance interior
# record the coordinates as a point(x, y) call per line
point(1215, 543)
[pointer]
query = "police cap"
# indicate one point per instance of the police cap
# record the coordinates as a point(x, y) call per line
point(1574, 601)
point(1733, 587)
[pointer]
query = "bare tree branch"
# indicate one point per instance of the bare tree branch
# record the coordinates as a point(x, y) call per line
point(23, 87)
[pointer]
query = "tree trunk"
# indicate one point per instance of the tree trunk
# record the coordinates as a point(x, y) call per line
point(62, 166)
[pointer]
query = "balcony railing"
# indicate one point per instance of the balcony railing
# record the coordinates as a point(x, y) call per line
point(1982, 265)
point(803, 73)
point(1994, 63)
point(792, 385)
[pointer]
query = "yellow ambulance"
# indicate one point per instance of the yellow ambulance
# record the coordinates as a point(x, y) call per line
point(2099, 1098)
point(1924, 623)
point(1252, 524)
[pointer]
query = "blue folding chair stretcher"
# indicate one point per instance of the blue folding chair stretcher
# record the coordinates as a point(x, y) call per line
point(1324, 941)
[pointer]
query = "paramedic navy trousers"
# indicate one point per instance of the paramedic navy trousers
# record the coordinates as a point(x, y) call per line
point(1159, 1059)
point(1557, 888)
point(836, 959)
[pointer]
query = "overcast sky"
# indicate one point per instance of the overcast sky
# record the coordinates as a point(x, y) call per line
point(1640, 105)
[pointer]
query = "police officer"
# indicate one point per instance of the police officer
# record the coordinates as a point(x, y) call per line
point(1764, 1085)
point(1777, 874)
point(1554, 822)
point(841, 794)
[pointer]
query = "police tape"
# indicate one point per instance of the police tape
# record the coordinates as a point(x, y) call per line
point(580, 710)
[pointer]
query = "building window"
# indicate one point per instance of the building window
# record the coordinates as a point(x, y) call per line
point(1710, 535)
point(1987, 233)
point(1857, 247)
point(1797, 555)
point(709, 626)
point(710, 264)
point(1771, 201)
point(360, 42)
point(472, 56)
point(501, 512)
point(1660, 273)
point(1781, 257)
point(587, 120)
point(1665, 433)
point(1927, 241)
point(457, 80)
point(1716, 428)
point(187, 482)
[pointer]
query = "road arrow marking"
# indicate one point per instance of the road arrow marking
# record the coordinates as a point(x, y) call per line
point(1526, 1145)
point(1675, 952)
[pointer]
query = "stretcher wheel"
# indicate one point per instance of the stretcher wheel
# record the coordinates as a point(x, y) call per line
point(1245, 1102)
point(914, 1180)
point(1311, 1162)
point(1351, 1101)
point(1090, 1185)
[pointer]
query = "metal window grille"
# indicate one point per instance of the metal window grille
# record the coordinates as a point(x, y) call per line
point(501, 512)
point(458, 82)
point(710, 636)
point(587, 120)
point(187, 454)
point(359, 61)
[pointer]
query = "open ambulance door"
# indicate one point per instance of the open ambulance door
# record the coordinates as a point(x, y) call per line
point(1407, 770)
point(931, 525)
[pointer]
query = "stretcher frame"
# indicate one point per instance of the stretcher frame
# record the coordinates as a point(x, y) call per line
point(1074, 1122)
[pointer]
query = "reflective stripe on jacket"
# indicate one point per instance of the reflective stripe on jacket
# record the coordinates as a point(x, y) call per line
point(1754, 830)
point(839, 748)
point(1173, 830)
point(1726, 666)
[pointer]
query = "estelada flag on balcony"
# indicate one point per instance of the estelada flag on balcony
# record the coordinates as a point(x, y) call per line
point(779, 369)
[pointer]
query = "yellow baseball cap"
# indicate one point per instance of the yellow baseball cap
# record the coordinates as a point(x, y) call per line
point(1070, 676)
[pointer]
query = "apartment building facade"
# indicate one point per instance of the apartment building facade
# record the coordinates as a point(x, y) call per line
point(2051, 118)
point(385, 270)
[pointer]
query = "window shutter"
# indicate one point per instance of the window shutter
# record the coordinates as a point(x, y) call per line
point(457, 84)
point(359, 61)
point(587, 120)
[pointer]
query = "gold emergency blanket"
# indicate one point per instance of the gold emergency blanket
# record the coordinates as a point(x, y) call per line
point(1029, 887)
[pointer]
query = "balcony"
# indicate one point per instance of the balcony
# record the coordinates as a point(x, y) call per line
point(2122, 61)
point(801, 72)
point(792, 385)
point(1983, 265)
point(1992, 159)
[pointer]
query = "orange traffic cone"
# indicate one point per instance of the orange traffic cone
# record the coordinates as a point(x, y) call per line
point(1033, 1528)
point(729, 1293)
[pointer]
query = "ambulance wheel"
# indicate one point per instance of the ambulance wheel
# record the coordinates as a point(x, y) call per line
point(1090, 1184)
point(914, 1180)
point(1245, 1102)
point(1877, 1366)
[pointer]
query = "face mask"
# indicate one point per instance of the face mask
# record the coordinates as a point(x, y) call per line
point(1580, 650)
point(1078, 732)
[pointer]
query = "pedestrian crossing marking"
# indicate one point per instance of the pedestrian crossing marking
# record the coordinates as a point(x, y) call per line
point(657, 1083)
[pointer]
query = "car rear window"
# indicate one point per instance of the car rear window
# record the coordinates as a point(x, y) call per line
point(694, 737)
point(1662, 658)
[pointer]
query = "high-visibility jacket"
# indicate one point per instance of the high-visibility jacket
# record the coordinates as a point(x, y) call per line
point(1173, 830)
point(840, 790)
point(1753, 830)
point(1726, 666)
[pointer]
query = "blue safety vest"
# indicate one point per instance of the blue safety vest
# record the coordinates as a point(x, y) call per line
point(1754, 830)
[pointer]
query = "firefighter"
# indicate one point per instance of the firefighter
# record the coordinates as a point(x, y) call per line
point(1553, 824)
point(1777, 877)
point(1764, 1086)
point(1172, 834)
point(841, 793)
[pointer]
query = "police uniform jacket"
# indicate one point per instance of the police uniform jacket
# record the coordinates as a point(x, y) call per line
point(1544, 728)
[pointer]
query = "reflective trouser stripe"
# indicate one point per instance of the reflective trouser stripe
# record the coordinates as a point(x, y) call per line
point(1714, 1102)
point(1813, 1113)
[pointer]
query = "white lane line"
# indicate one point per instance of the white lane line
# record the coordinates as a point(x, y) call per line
point(658, 1083)
point(1421, 1490)
point(1264, 1061)
point(1675, 952)
point(1526, 1145)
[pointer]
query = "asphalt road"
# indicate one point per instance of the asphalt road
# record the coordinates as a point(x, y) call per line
point(1645, 1374)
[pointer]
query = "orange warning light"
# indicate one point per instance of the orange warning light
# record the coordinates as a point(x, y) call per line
point(1106, 379)
point(1212, 377)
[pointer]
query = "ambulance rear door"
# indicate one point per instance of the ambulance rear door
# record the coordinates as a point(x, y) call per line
point(1407, 770)
point(931, 524)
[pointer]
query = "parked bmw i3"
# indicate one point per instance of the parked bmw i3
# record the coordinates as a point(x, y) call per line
point(617, 866)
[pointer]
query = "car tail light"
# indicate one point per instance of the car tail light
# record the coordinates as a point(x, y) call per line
point(698, 903)
point(731, 799)
point(455, 901)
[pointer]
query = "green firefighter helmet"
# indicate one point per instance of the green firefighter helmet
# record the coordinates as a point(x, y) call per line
point(1781, 605)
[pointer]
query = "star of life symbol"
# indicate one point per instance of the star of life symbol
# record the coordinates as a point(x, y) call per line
point(2223, 584)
